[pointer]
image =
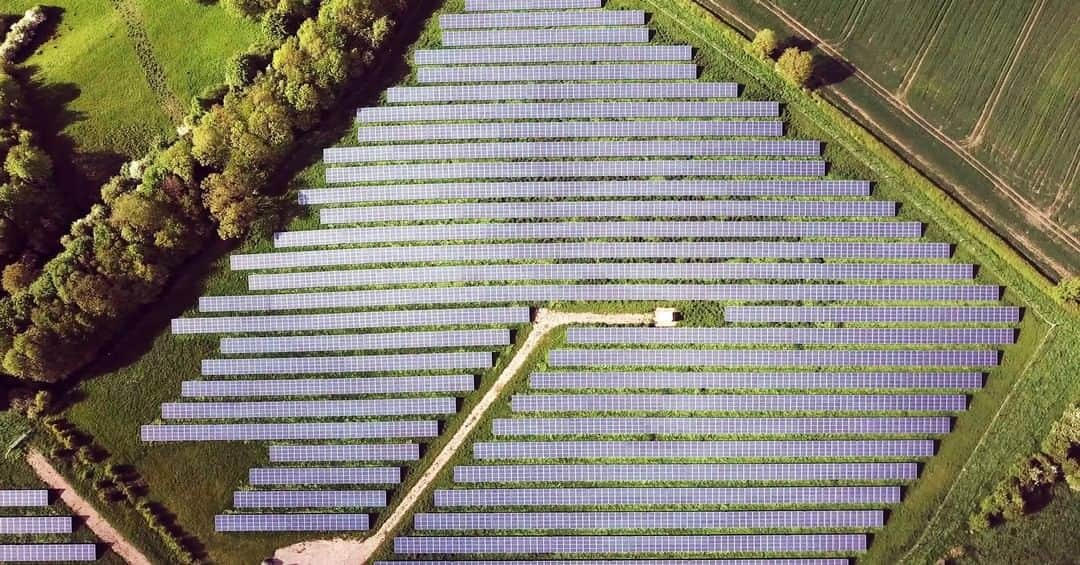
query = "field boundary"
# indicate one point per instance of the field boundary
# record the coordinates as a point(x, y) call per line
point(1038, 217)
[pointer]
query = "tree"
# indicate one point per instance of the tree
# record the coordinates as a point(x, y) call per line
point(796, 65)
point(18, 276)
point(764, 43)
point(249, 8)
point(27, 162)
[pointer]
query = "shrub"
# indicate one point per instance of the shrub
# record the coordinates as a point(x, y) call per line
point(764, 43)
point(248, 8)
point(1062, 444)
point(1068, 290)
point(18, 276)
point(20, 34)
point(796, 65)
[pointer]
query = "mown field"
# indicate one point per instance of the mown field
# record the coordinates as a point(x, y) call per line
point(998, 80)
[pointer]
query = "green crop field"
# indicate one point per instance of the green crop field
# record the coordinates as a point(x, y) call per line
point(997, 80)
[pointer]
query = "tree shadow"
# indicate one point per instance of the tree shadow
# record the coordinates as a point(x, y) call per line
point(828, 70)
point(191, 279)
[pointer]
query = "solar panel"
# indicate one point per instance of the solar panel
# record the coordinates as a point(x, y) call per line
point(714, 472)
point(352, 364)
point(578, 169)
point(617, 208)
point(551, 36)
point(607, 271)
point(542, 19)
point(308, 408)
point(595, 230)
point(626, 292)
point(357, 342)
point(352, 320)
point(570, 91)
point(570, 149)
point(770, 358)
point(593, 53)
point(345, 452)
point(878, 336)
point(541, 73)
point(48, 552)
point(493, 5)
point(822, 543)
point(327, 387)
point(257, 432)
point(566, 130)
point(735, 403)
point(653, 496)
point(568, 110)
point(309, 499)
point(324, 475)
point(770, 519)
point(24, 497)
point(35, 525)
point(754, 380)
point(290, 522)
point(588, 250)
point(951, 314)
point(720, 426)
point(742, 449)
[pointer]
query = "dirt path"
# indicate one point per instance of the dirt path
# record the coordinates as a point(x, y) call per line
point(102, 529)
point(1032, 213)
point(328, 552)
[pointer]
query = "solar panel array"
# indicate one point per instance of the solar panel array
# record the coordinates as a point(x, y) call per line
point(35, 525)
point(553, 154)
point(24, 497)
point(47, 552)
point(32, 531)
point(778, 561)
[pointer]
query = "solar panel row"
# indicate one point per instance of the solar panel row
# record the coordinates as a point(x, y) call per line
point(721, 426)
point(354, 364)
point(594, 230)
point(594, 53)
point(552, 36)
point(736, 403)
point(310, 499)
point(774, 314)
point(653, 496)
point(324, 475)
point(588, 250)
point(802, 561)
point(609, 271)
point(570, 91)
point(308, 408)
point(498, 5)
point(549, 293)
point(356, 342)
point(570, 110)
point(345, 452)
point(290, 522)
point(35, 525)
point(880, 336)
point(753, 380)
point(542, 19)
point(565, 130)
point(609, 208)
point(774, 519)
point(577, 169)
point(833, 449)
point(48, 552)
point(24, 497)
point(771, 358)
point(751, 472)
point(327, 387)
point(352, 320)
point(567, 72)
point(819, 543)
point(259, 432)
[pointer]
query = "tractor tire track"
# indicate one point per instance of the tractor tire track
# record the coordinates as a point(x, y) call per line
point(144, 50)
point(935, 32)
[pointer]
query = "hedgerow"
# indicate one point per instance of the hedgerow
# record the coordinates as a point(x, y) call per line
point(21, 34)
point(169, 205)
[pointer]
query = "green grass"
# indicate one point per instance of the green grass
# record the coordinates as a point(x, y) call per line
point(1048, 536)
point(1031, 134)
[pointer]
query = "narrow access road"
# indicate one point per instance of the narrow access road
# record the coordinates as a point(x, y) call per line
point(102, 529)
point(327, 552)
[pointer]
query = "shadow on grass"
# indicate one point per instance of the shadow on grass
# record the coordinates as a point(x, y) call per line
point(54, 15)
point(828, 70)
point(185, 288)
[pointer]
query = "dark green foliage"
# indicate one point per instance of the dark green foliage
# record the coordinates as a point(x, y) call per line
point(249, 8)
point(1068, 290)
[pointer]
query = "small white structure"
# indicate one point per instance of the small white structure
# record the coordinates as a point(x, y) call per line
point(665, 317)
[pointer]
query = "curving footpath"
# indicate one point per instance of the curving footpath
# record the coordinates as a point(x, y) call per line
point(326, 552)
point(101, 528)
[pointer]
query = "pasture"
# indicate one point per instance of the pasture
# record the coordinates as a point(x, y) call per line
point(995, 79)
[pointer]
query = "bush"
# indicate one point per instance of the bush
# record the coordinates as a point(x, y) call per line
point(20, 34)
point(18, 276)
point(1068, 290)
point(764, 43)
point(796, 65)
point(1062, 444)
point(248, 8)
